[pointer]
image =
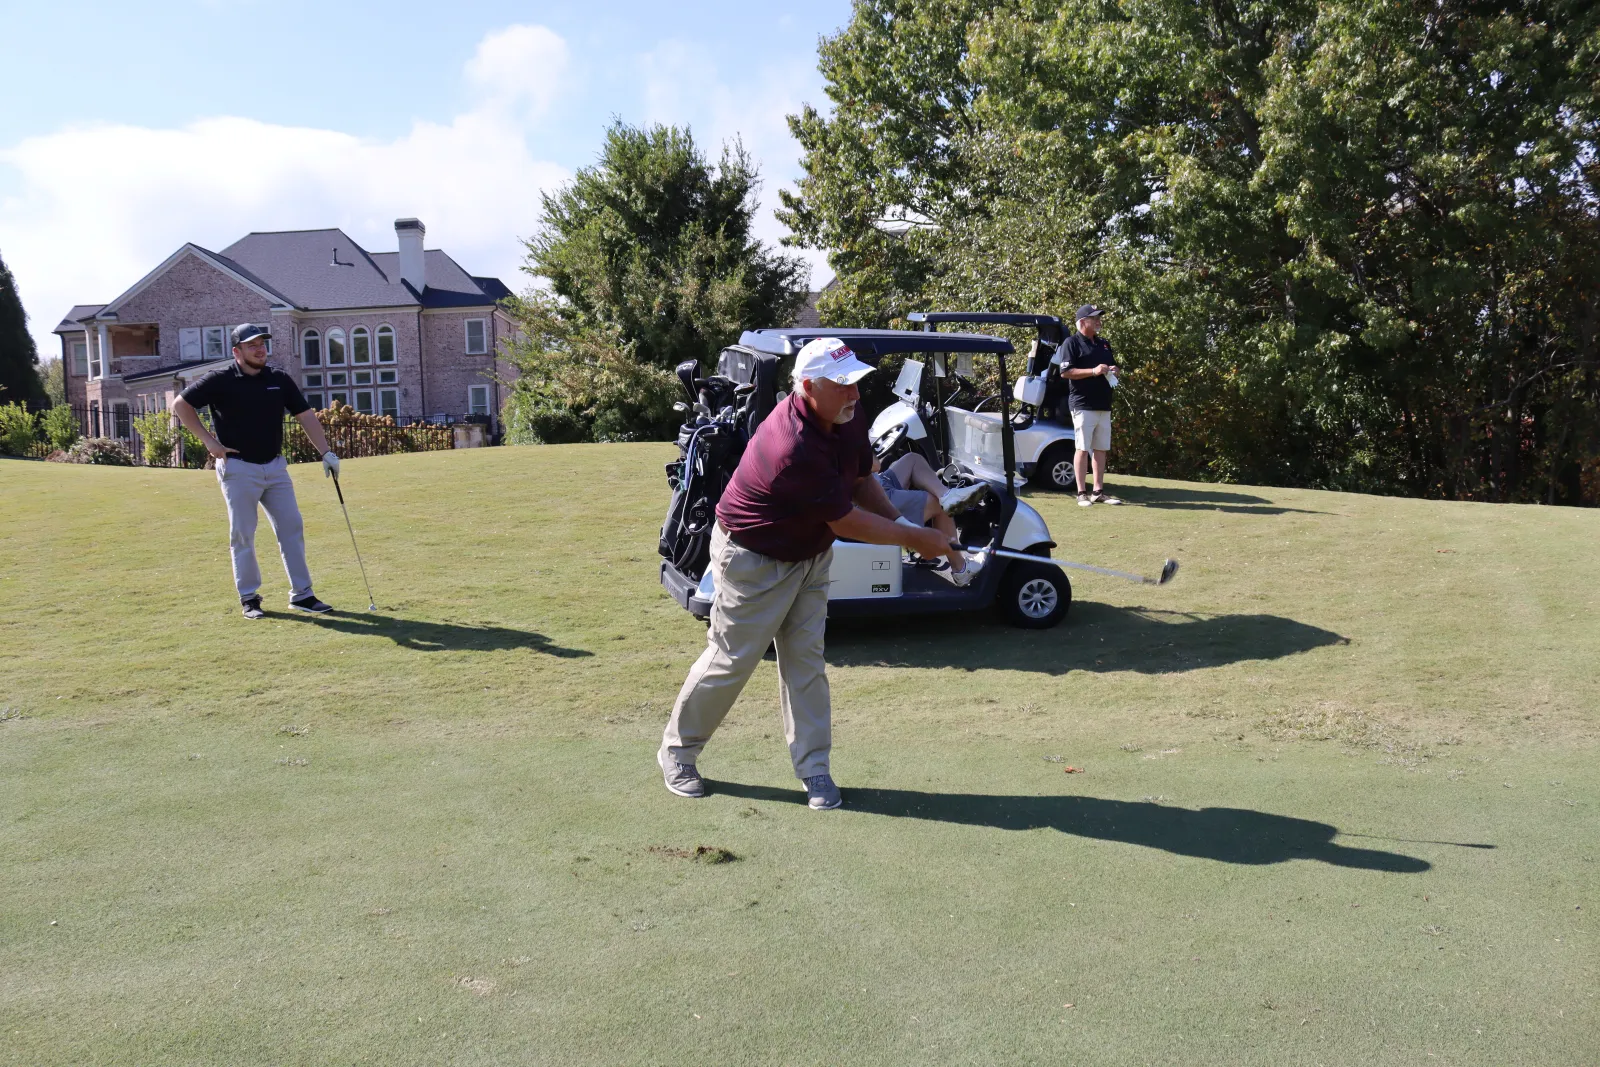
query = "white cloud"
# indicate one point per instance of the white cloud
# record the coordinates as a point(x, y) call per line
point(96, 207)
point(520, 69)
point(680, 85)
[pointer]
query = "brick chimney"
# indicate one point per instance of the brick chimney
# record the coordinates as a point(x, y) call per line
point(413, 265)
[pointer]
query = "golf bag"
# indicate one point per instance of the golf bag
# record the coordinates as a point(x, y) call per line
point(720, 417)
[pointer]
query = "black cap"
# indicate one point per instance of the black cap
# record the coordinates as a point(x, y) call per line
point(248, 331)
point(1089, 311)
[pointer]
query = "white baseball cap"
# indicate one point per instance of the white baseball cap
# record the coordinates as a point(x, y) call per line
point(830, 358)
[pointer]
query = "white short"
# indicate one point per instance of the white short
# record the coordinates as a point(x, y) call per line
point(1093, 430)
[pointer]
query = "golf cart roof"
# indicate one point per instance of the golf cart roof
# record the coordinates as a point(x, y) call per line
point(996, 318)
point(870, 344)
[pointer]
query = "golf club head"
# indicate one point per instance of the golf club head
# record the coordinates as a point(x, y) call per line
point(372, 607)
point(1168, 569)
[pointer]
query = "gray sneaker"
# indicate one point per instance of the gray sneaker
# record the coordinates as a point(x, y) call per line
point(681, 778)
point(821, 793)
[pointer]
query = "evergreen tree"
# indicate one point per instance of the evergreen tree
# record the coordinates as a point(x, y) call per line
point(19, 358)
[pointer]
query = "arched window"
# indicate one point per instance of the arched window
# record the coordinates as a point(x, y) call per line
point(385, 344)
point(360, 345)
point(335, 348)
point(311, 349)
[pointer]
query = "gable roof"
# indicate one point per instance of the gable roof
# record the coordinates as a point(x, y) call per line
point(325, 270)
point(74, 320)
point(222, 263)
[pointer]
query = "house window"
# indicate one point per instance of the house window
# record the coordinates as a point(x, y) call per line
point(388, 377)
point(80, 358)
point(363, 377)
point(315, 400)
point(364, 401)
point(311, 349)
point(477, 337)
point(216, 342)
point(338, 378)
point(313, 380)
point(335, 348)
point(338, 398)
point(389, 402)
point(124, 427)
point(385, 344)
point(477, 400)
point(360, 345)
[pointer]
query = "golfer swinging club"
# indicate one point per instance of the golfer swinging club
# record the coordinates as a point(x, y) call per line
point(805, 477)
point(248, 401)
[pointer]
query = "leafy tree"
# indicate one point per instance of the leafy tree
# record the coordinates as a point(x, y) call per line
point(649, 261)
point(1363, 232)
point(54, 376)
point(19, 428)
point(19, 359)
point(60, 428)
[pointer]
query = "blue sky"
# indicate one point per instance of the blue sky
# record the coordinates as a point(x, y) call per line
point(144, 126)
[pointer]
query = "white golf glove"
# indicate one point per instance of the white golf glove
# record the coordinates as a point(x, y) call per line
point(330, 464)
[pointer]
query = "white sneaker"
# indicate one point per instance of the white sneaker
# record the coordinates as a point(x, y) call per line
point(961, 579)
point(960, 499)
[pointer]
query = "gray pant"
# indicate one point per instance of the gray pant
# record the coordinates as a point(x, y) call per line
point(760, 600)
point(244, 485)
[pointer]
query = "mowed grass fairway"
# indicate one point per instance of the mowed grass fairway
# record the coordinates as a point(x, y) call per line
point(1337, 801)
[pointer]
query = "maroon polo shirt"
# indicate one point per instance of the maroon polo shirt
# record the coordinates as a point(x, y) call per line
point(796, 476)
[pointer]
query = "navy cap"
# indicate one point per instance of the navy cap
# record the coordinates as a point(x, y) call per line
point(248, 331)
point(1089, 311)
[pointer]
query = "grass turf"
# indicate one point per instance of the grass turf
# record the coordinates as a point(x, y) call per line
point(1337, 799)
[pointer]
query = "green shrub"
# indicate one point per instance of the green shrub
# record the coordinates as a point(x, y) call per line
point(194, 450)
point(19, 429)
point(103, 451)
point(60, 428)
point(158, 431)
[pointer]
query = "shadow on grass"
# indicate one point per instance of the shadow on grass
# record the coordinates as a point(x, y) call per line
point(1096, 637)
point(1206, 500)
point(438, 636)
point(1228, 835)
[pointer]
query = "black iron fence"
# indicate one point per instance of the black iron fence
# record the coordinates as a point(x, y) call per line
point(116, 436)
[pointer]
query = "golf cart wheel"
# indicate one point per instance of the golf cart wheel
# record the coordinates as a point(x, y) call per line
point(1035, 596)
point(1054, 469)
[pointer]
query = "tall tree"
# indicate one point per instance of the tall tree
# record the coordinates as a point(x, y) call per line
point(655, 242)
point(19, 358)
point(1362, 231)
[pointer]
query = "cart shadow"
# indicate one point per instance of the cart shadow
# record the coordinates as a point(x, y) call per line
point(1228, 835)
point(438, 636)
point(1206, 500)
point(1096, 637)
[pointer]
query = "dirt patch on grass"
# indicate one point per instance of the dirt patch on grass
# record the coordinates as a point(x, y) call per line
point(1355, 727)
point(481, 987)
point(699, 854)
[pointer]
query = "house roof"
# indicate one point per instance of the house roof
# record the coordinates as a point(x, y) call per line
point(176, 368)
point(325, 270)
point(74, 318)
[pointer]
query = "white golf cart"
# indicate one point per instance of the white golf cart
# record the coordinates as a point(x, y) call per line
point(944, 417)
point(725, 409)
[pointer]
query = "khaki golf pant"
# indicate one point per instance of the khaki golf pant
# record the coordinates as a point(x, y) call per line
point(758, 601)
point(244, 486)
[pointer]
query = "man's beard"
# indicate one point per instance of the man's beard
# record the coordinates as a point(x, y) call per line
point(846, 413)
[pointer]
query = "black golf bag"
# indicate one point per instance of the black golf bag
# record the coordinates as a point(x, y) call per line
point(721, 415)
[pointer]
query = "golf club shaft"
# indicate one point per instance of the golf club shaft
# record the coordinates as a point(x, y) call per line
point(1137, 578)
point(371, 603)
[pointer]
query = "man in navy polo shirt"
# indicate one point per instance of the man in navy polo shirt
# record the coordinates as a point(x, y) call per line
point(248, 401)
point(805, 477)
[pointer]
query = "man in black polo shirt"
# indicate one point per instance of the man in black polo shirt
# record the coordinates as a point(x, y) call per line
point(1091, 371)
point(805, 477)
point(248, 401)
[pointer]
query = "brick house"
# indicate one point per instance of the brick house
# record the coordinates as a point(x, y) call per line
point(405, 333)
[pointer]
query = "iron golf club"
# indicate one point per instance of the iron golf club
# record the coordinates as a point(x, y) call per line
point(372, 605)
point(1168, 569)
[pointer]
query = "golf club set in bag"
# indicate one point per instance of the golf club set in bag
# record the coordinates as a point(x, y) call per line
point(719, 418)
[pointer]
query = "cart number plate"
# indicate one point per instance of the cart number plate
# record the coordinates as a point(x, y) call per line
point(880, 564)
point(880, 588)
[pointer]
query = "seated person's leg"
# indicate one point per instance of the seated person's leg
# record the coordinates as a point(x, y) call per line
point(935, 516)
point(914, 472)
